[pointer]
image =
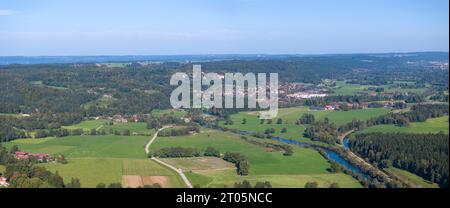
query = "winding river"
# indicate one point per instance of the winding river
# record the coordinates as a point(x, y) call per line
point(333, 156)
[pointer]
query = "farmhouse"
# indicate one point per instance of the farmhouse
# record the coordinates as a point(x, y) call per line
point(25, 155)
point(3, 182)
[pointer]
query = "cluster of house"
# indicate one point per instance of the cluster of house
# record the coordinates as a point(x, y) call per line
point(363, 105)
point(40, 157)
point(307, 95)
point(3, 182)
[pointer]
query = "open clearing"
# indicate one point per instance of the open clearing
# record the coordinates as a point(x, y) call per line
point(434, 125)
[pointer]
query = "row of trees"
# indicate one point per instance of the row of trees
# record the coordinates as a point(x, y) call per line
point(288, 149)
point(239, 160)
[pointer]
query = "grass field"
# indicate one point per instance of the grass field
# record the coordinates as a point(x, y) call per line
point(307, 161)
point(200, 163)
point(305, 164)
point(411, 178)
point(2, 169)
point(92, 171)
point(226, 178)
point(291, 115)
point(88, 125)
point(433, 125)
point(343, 88)
point(138, 128)
point(98, 159)
point(86, 146)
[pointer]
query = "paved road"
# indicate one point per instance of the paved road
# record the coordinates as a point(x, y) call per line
point(179, 171)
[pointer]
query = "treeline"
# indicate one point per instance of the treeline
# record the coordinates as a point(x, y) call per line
point(423, 154)
point(170, 152)
point(239, 160)
point(247, 184)
point(288, 149)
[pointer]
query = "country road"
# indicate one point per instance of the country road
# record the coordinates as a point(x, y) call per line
point(179, 171)
point(147, 146)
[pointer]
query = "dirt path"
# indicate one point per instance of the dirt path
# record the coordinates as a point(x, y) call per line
point(179, 171)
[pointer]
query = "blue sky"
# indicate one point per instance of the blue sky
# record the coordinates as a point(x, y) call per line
point(162, 27)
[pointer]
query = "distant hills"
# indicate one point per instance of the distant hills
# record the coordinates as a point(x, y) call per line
point(6, 60)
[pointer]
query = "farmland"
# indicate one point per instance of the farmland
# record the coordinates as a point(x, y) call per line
point(264, 165)
point(134, 128)
point(88, 125)
point(87, 146)
point(221, 179)
point(433, 125)
point(343, 88)
point(98, 159)
point(290, 115)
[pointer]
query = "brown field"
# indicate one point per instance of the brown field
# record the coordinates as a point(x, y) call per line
point(134, 181)
point(130, 181)
point(164, 181)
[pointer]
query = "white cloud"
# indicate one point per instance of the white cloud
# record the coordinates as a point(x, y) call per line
point(6, 12)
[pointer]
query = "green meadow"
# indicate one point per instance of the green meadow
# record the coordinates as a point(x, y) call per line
point(343, 88)
point(98, 159)
point(226, 178)
point(86, 146)
point(433, 125)
point(137, 128)
point(92, 171)
point(285, 171)
point(290, 115)
point(88, 125)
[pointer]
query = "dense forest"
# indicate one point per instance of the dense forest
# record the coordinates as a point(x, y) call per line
point(423, 154)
